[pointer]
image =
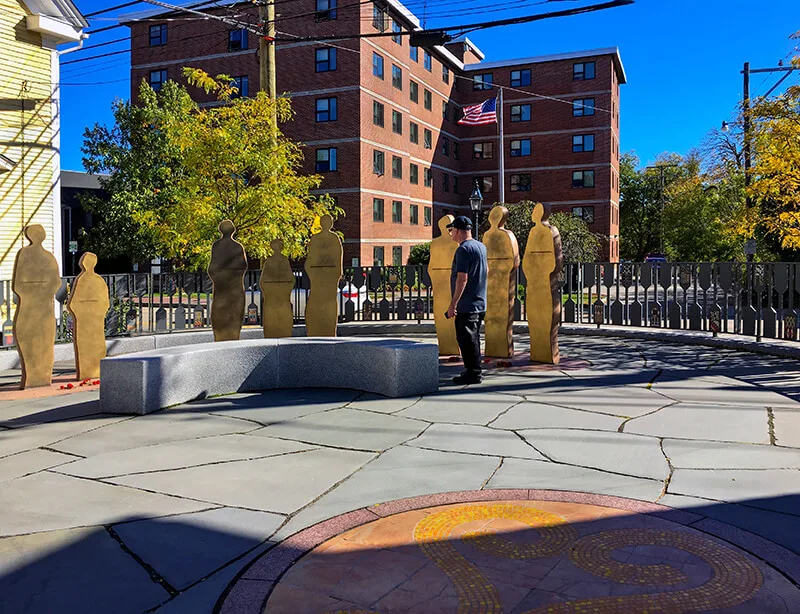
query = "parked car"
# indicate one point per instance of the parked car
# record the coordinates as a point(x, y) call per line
point(350, 293)
point(655, 257)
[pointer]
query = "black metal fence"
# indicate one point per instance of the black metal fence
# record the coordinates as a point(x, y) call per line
point(755, 299)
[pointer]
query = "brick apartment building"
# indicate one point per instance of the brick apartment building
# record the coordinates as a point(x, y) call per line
point(378, 117)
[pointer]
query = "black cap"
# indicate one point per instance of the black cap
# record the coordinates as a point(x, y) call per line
point(462, 222)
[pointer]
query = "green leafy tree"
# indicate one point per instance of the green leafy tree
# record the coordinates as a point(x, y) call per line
point(639, 210)
point(420, 254)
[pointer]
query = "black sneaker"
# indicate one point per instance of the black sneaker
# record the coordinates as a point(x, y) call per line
point(467, 379)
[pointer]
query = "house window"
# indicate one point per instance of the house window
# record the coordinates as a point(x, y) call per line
point(585, 213)
point(455, 151)
point(326, 109)
point(379, 17)
point(396, 36)
point(413, 174)
point(413, 91)
point(326, 59)
point(326, 160)
point(377, 162)
point(427, 100)
point(482, 81)
point(583, 179)
point(455, 184)
point(413, 132)
point(377, 65)
point(428, 178)
point(237, 40)
point(486, 184)
point(377, 211)
point(582, 106)
point(520, 112)
point(397, 122)
point(158, 35)
point(413, 53)
point(427, 139)
point(157, 79)
point(397, 212)
point(444, 109)
point(377, 256)
point(483, 151)
point(377, 113)
point(445, 146)
point(520, 78)
point(521, 183)
point(326, 10)
point(427, 216)
point(242, 85)
point(521, 147)
point(413, 215)
point(397, 77)
point(445, 74)
point(397, 256)
point(583, 142)
point(582, 71)
point(426, 60)
point(397, 167)
point(445, 182)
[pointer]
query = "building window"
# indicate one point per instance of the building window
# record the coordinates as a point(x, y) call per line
point(413, 174)
point(583, 142)
point(326, 110)
point(397, 212)
point(426, 60)
point(520, 78)
point(397, 122)
point(377, 256)
point(377, 113)
point(377, 162)
point(326, 59)
point(585, 213)
point(520, 112)
point(483, 151)
point(444, 109)
point(377, 210)
point(427, 100)
point(445, 182)
point(445, 74)
point(158, 35)
point(482, 81)
point(397, 256)
point(326, 160)
point(396, 36)
point(582, 106)
point(486, 184)
point(237, 40)
point(397, 77)
point(413, 132)
point(583, 179)
point(455, 151)
point(413, 53)
point(455, 184)
point(379, 17)
point(445, 146)
point(428, 179)
point(582, 71)
point(326, 10)
point(242, 85)
point(427, 138)
point(427, 216)
point(413, 215)
point(157, 79)
point(413, 91)
point(521, 183)
point(521, 147)
point(377, 65)
point(397, 167)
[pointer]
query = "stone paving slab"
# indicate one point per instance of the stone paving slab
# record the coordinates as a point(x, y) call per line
point(28, 438)
point(49, 409)
point(720, 390)
point(687, 454)
point(32, 461)
point(462, 406)
point(539, 415)
point(385, 405)
point(471, 439)
point(787, 426)
point(627, 401)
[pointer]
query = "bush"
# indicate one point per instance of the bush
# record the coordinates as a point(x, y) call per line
point(420, 254)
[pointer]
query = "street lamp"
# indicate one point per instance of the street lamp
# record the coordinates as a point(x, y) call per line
point(475, 204)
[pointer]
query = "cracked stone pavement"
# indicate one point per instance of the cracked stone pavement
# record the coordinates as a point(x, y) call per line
point(158, 513)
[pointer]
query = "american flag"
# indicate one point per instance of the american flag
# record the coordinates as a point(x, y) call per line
point(480, 114)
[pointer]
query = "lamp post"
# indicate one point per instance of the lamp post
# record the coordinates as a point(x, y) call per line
point(475, 204)
point(660, 168)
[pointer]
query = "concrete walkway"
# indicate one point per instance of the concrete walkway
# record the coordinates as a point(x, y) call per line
point(161, 512)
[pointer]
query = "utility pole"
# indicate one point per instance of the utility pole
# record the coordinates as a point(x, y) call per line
point(266, 54)
point(663, 186)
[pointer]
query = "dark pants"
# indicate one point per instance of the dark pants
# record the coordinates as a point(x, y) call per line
point(468, 335)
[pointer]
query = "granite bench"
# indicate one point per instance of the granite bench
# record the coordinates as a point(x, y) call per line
point(144, 382)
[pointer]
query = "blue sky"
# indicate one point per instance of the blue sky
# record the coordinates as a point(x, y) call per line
point(683, 59)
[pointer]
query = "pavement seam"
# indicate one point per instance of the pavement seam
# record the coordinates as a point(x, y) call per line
point(773, 441)
point(621, 428)
point(496, 469)
point(668, 479)
point(655, 377)
point(535, 449)
point(504, 412)
point(49, 449)
point(588, 411)
point(154, 575)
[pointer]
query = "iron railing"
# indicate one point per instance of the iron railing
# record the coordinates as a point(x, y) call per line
point(754, 299)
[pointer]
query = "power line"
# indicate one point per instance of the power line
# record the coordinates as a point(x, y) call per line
point(112, 8)
point(96, 57)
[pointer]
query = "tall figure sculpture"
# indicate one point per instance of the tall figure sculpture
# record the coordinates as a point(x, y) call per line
point(502, 252)
point(443, 249)
point(542, 264)
point(277, 282)
point(324, 268)
point(88, 303)
point(35, 281)
point(226, 269)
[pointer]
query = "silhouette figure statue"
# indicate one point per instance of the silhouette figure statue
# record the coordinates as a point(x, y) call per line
point(542, 263)
point(88, 303)
point(226, 269)
point(502, 252)
point(277, 283)
point(324, 268)
point(443, 250)
point(35, 281)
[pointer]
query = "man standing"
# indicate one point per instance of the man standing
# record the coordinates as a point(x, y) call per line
point(468, 305)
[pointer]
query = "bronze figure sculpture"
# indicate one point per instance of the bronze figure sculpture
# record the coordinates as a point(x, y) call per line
point(226, 269)
point(324, 267)
point(277, 283)
point(502, 252)
point(443, 250)
point(88, 303)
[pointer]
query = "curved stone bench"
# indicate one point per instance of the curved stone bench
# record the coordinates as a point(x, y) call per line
point(143, 382)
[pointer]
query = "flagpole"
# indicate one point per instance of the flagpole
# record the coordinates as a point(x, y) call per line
point(502, 146)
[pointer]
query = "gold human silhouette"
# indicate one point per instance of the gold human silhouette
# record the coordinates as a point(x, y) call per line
point(88, 303)
point(542, 264)
point(324, 268)
point(226, 269)
point(440, 265)
point(35, 281)
point(277, 282)
point(502, 252)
